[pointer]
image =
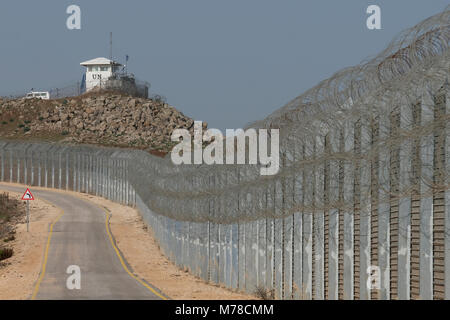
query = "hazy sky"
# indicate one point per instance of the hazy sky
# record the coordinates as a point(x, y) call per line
point(227, 62)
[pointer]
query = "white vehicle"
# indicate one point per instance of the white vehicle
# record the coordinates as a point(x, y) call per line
point(45, 95)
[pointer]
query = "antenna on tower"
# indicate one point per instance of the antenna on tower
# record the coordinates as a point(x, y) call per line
point(110, 47)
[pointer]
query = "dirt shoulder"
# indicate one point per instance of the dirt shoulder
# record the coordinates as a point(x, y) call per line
point(19, 273)
point(143, 254)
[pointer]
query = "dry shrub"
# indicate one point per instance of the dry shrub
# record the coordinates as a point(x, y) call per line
point(265, 294)
point(6, 253)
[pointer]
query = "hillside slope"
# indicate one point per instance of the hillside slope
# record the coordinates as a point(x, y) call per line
point(109, 119)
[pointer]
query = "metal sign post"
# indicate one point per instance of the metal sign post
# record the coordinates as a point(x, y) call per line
point(28, 216)
point(27, 196)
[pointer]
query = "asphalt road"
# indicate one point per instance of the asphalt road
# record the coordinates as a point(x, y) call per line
point(80, 237)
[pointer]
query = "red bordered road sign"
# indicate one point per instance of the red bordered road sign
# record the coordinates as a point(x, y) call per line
point(27, 195)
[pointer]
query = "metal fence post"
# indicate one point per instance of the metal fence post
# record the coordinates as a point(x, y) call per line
point(46, 170)
point(333, 220)
point(365, 209)
point(307, 226)
point(25, 168)
point(404, 238)
point(348, 193)
point(426, 205)
point(298, 194)
point(318, 216)
point(39, 168)
point(447, 195)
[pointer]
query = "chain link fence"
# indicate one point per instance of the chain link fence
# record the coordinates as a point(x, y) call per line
point(70, 89)
point(360, 208)
point(122, 82)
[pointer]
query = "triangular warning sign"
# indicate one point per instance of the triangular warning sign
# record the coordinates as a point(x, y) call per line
point(27, 195)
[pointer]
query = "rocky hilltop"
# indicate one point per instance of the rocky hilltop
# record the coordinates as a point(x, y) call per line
point(109, 119)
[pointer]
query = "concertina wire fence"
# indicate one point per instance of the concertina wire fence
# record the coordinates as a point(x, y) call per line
point(362, 192)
